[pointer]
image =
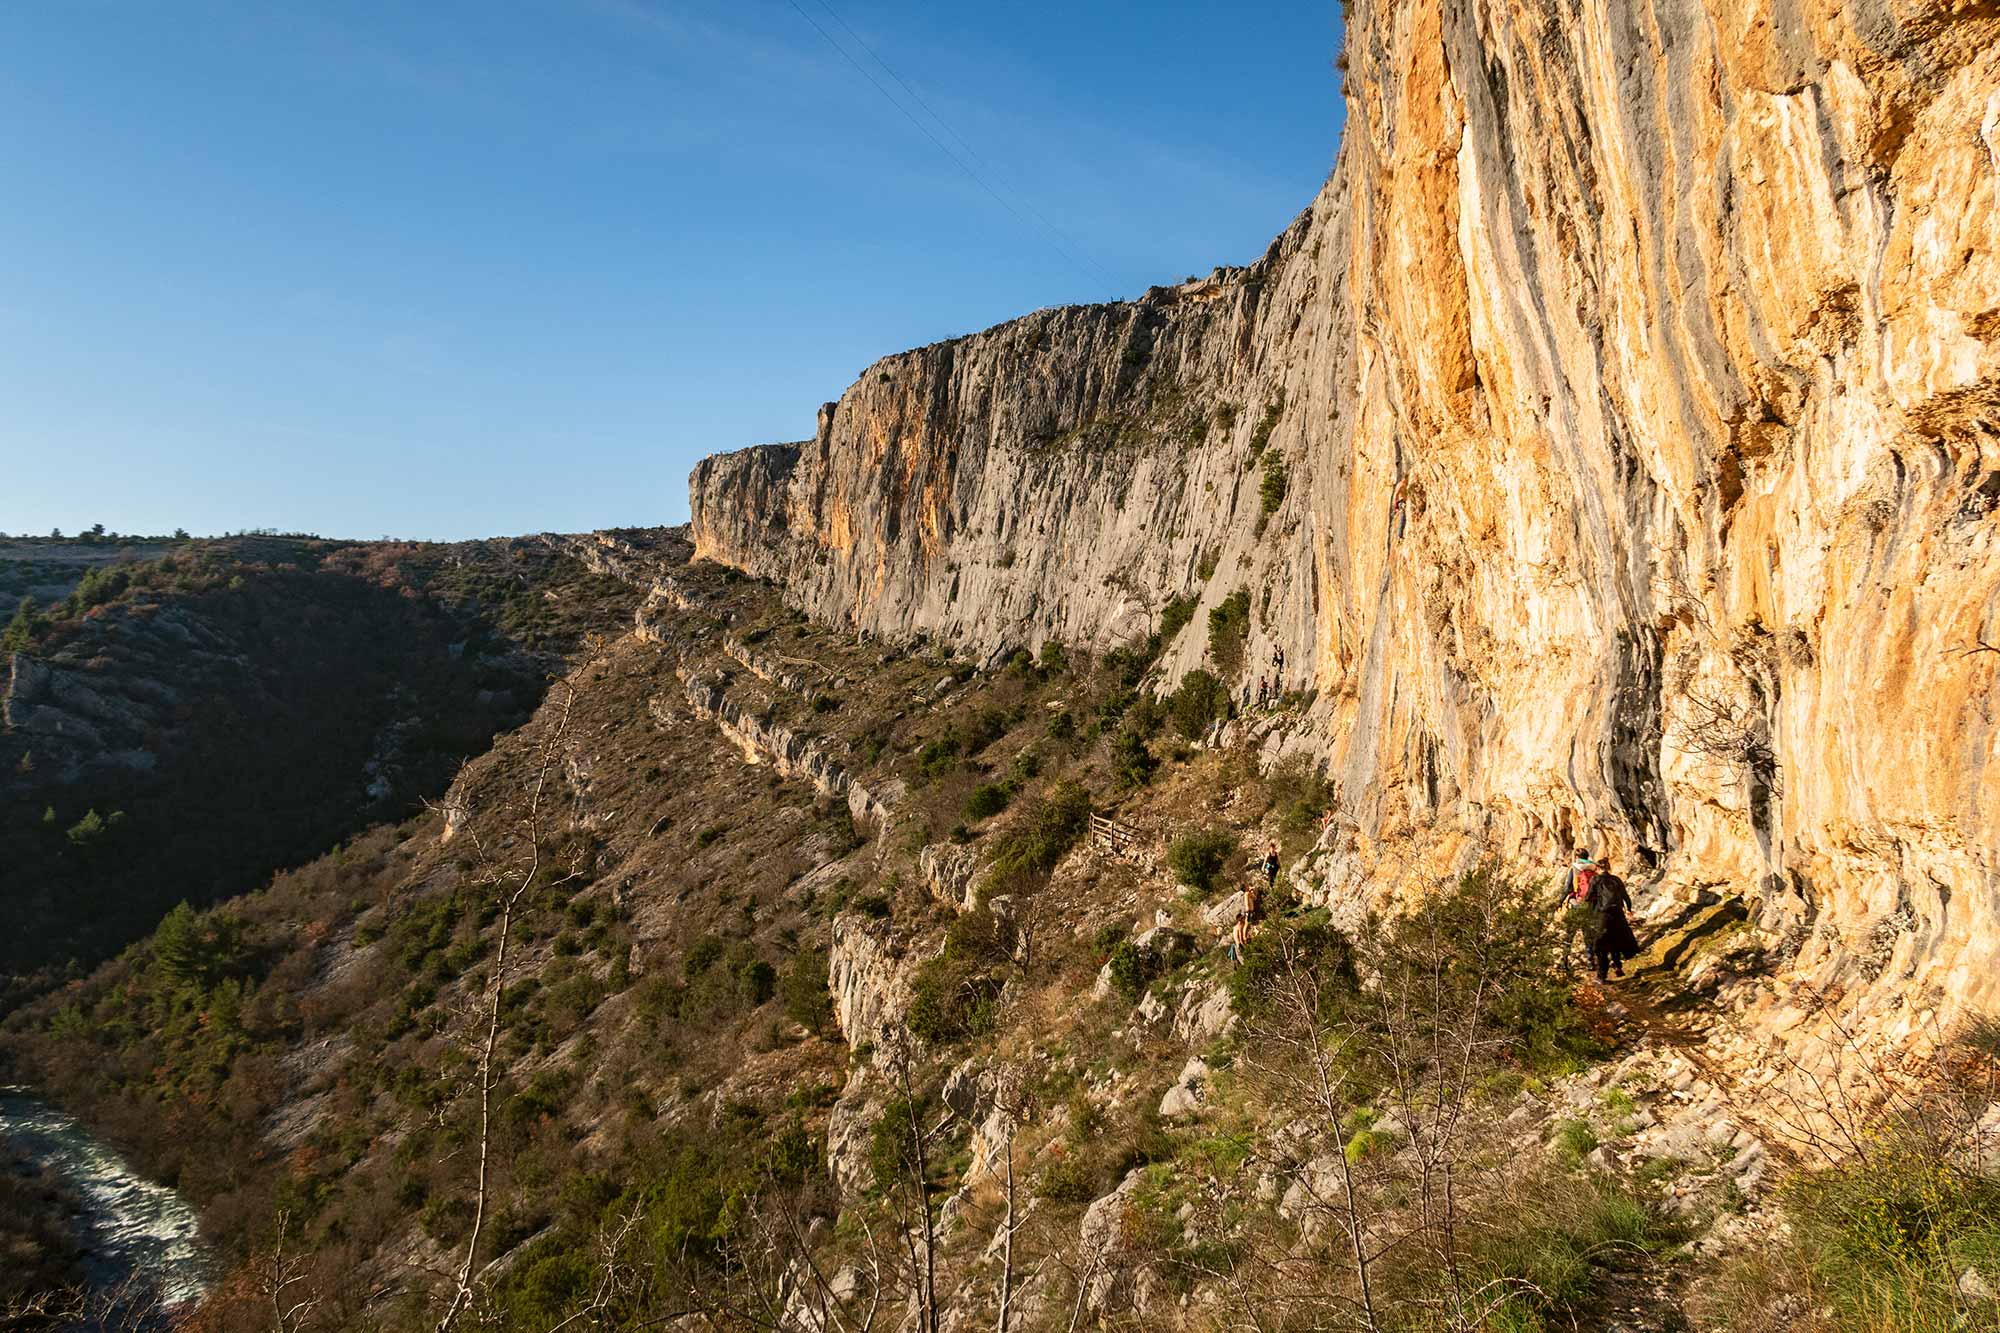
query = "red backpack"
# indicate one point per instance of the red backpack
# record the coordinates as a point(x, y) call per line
point(1579, 889)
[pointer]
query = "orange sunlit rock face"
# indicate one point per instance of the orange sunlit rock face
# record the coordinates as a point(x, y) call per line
point(1613, 445)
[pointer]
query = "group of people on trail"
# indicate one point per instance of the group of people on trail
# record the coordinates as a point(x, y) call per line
point(1593, 906)
point(1594, 903)
point(1252, 914)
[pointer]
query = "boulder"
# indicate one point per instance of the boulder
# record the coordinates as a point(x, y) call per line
point(1189, 1092)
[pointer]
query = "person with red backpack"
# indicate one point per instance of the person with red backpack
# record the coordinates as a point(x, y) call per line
point(1573, 911)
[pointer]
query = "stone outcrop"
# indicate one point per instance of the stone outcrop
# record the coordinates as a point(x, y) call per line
point(1613, 447)
point(870, 980)
point(763, 739)
point(952, 874)
point(107, 700)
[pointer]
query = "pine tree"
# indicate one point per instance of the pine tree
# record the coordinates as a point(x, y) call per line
point(14, 639)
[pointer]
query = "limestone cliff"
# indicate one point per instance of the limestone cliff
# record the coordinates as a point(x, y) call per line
point(1627, 411)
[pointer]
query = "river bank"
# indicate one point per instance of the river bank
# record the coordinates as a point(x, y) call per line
point(131, 1239)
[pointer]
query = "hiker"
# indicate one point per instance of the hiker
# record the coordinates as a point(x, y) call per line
point(1263, 690)
point(1239, 935)
point(1611, 937)
point(1571, 912)
point(1271, 865)
point(1253, 903)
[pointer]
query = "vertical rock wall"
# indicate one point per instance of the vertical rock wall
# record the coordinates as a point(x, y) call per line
point(1636, 385)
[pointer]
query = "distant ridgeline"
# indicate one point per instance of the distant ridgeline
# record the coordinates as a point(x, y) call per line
point(178, 720)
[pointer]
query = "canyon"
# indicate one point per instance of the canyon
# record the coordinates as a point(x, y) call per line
point(1607, 459)
point(1611, 453)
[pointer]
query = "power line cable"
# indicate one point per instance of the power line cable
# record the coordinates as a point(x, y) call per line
point(1057, 233)
point(909, 115)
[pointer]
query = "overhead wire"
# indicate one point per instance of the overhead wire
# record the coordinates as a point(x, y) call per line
point(928, 133)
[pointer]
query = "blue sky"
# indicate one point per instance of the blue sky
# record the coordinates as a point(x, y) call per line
point(449, 269)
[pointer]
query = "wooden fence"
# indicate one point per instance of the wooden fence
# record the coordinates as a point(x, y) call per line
point(1111, 835)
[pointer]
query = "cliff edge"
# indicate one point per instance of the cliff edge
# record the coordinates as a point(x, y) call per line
point(1611, 451)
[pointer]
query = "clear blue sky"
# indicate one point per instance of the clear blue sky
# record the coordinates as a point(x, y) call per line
point(439, 269)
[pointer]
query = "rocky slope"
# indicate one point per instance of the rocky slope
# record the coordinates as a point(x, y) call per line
point(1612, 449)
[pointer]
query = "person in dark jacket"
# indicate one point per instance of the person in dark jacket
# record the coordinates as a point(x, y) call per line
point(1611, 937)
point(1271, 865)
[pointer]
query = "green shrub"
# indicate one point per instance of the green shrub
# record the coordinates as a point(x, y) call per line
point(804, 990)
point(892, 1143)
point(23, 629)
point(938, 757)
point(1132, 763)
point(703, 954)
point(1067, 1179)
point(1039, 839)
point(1271, 490)
point(1174, 617)
point(1198, 858)
point(199, 948)
point(1055, 658)
point(952, 999)
point(986, 801)
point(1309, 944)
point(1133, 969)
point(954, 995)
point(757, 980)
point(92, 828)
point(1299, 794)
point(1201, 701)
point(1228, 629)
point(1260, 436)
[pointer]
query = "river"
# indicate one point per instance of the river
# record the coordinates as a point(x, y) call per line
point(135, 1232)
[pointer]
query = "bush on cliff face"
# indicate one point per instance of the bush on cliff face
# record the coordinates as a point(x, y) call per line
point(1174, 617)
point(1299, 794)
point(803, 988)
point(1201, 701)
point(1271, 490)
point(1228, 629)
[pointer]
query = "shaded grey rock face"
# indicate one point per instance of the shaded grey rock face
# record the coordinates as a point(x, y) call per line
point(1611, 448)
point(75, 717)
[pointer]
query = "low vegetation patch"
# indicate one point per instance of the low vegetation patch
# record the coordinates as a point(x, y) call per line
point(1199, 858)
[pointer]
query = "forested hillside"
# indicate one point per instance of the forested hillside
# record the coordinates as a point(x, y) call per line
point(179, 727)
